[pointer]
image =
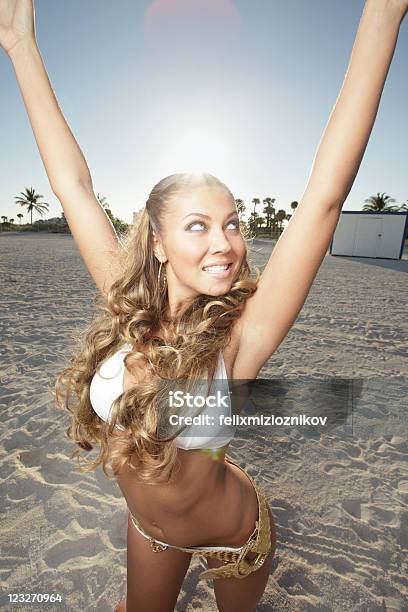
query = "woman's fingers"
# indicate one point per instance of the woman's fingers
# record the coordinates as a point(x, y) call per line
point(16, 22)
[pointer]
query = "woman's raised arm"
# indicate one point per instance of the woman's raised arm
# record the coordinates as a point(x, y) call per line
point(345, 138)
point(297, 256)
point(64, 162)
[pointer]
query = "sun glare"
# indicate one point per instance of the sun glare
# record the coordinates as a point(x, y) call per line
point(195, 143)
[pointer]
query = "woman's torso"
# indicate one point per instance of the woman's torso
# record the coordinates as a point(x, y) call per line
point(206, 486)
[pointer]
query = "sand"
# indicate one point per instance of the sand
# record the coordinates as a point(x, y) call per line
point(339, 494)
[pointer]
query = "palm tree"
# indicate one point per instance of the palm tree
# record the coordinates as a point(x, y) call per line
point(294, 205)
point(31, 200)
point(11, 220)
point(240, 204)
point(4, 218)
point(280, 217)
point(379, 203)
point(255, 202)
point(269, 211)
point(20, 216)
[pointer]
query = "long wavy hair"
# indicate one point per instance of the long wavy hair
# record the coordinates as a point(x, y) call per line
point(134, 311)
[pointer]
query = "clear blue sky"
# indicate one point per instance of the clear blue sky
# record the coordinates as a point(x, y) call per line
point(239, 88)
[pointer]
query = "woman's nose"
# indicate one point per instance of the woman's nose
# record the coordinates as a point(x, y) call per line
point(220, 242)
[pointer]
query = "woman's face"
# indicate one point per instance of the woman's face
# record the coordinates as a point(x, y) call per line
point(201, 228)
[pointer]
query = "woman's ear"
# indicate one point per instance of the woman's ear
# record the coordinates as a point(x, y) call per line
point(158, 248)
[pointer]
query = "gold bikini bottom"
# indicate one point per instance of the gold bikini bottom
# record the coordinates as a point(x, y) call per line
point(235, 564)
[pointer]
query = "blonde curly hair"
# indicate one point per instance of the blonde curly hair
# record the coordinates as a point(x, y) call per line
point(133, 312)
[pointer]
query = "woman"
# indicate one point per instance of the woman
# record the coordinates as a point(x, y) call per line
point(169, 314)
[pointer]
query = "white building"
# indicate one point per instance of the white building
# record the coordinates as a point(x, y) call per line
point(369, 234)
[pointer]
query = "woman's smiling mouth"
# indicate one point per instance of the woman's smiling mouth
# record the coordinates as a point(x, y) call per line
point(220, 271)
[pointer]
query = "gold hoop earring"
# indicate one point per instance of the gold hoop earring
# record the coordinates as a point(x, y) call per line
point(162, 284)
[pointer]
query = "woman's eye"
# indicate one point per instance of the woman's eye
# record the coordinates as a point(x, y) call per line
point(195, 223)
point(236, 223)
point(189, 227)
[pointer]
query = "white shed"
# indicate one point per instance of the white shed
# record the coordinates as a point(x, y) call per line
point(368, 234)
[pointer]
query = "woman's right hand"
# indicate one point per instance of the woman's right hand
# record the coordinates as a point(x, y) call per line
point(16, 23)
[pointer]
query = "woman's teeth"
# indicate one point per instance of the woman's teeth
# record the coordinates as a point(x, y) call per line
point(217, 269)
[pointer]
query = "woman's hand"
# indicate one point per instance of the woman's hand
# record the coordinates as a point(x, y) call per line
point(16, 23)
point(402, 5)
point(395, 7)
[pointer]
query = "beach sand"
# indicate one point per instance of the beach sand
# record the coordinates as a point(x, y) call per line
point(339, 494)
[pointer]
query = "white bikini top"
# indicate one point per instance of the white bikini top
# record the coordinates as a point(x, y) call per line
point(107, 385)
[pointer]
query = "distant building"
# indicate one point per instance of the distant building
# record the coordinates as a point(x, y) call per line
point(370, 234)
